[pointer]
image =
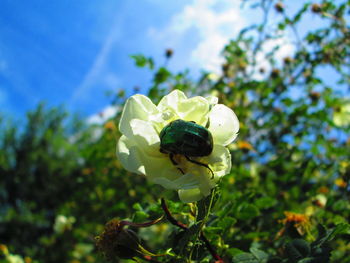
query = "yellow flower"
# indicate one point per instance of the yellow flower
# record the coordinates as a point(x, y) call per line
point(341, 116)
point(139, 147)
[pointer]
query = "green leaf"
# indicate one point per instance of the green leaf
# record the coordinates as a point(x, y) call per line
point(265, 202)
point(328, 235)
point(189, 235)
point(297, 249)
point(142, 61)
point(140, 216)
point(213, 230)
point(298, 16)
point(137, 207)
point(162, 75)
point(245, 258)
point(227, 222)
point(259, 254)
point(247, 211)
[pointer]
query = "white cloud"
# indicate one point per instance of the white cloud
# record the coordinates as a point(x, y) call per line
point(214, 21)
point(103, 116)
point(285, 48)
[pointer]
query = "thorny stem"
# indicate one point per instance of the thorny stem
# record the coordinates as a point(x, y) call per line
point(170, 217)
point(147, 224)
point(183, 226)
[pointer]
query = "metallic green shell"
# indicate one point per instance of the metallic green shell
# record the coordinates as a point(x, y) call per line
point(186, 138)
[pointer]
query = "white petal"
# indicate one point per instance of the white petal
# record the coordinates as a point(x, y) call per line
point(194, 109)
point(219, 161)
point(130, 156)
point(191, 195)
point(136, 107)
point(186, 181)
point(212, 100)
point(135, 159)
point(224, 124)
point(171, 100)
point(145, 136)
point(177, 106)
point(206, 184)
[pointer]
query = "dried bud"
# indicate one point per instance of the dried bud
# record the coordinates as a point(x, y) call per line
point(275, 73)
point(316, 8)
point(314, 96)
point(279, 7)
point(117, 241)
point(169, 53)
point(287, 60)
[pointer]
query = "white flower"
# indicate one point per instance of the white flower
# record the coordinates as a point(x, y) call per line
point(138, 148)
point(63, 223)
point(14, 259)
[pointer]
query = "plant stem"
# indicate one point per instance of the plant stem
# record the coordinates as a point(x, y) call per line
point(183, 226)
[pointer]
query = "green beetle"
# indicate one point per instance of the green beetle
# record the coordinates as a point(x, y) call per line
point(188, 139)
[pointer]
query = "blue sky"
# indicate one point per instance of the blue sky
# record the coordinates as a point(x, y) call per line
point(71, 53)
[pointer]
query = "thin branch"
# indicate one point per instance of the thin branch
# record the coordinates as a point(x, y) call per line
point(181, 225)
point(170, 217)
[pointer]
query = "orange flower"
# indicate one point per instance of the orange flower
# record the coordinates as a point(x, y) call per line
point(294, 222)
point(243, 145)
point(109, 125)
point(340, 183)
point(323, 190)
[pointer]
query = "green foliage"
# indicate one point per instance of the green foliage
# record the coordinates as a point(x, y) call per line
point(286, 199)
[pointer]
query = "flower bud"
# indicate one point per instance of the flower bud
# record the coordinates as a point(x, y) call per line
point(279, 7)
point(275, 73)
point(287, 60)
point(314, 96)
point(316, 8)
point(169, 53)
point(118, 242)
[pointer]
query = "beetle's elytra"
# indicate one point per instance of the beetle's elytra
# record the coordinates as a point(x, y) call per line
point(186, 138)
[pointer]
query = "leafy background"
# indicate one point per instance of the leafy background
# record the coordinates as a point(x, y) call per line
point(285, 200)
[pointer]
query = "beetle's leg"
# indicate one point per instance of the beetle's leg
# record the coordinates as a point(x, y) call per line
point(171, 157)
point(208, 124)
point(201, 164)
